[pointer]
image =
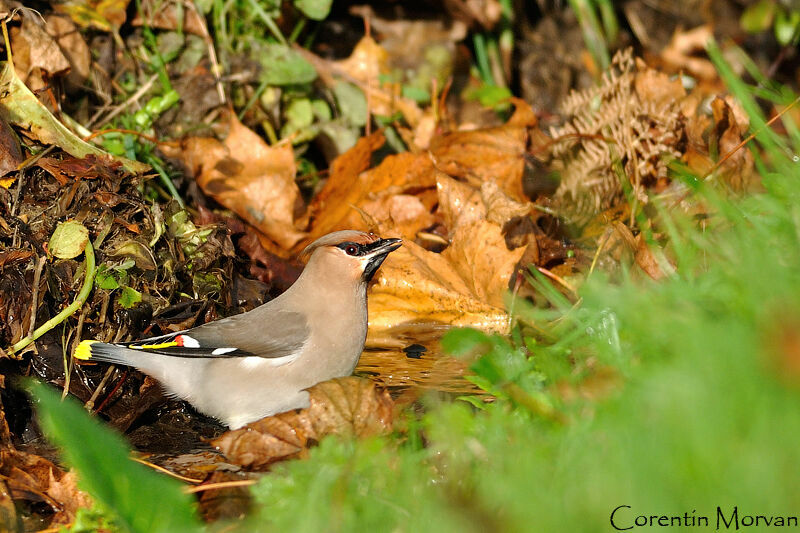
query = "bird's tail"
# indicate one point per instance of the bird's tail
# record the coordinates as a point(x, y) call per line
point(96, 351)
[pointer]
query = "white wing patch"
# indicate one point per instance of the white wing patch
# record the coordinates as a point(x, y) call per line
point(254, 361)
point(223, 351)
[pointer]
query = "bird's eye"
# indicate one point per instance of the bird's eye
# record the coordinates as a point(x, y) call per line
point(351, 249)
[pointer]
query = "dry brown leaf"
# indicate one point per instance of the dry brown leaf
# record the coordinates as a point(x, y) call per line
point(164, 15)
point(105, 15)
point(680, 53)
point(34, 478)
point(415, 286)
point(655, 87)
point(351, 190)
point(66, 492)
point(400, 214)
point(478, 253)
point(10, 152)
point(34, 49)
point(725, 131)
point(500, 208)
point(459, 202)
point(364, 67)
point(251, 178)
point(496, 154)
point(343, 406)
point(72, 45)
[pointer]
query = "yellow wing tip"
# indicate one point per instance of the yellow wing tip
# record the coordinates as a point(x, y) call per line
point(84, 350)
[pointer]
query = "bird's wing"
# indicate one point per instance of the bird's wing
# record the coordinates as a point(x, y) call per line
point(270, 335)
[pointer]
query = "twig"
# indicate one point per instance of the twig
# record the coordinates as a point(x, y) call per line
point(89, 405)
point(111, 394)
point(220, 485)
point(166, 471)
point(37, 277)
point(98, 133)
point(133, 98)
point(555, 277)
point(216, 70)
point(71, 365)
point(606, 238)
point(88, 281)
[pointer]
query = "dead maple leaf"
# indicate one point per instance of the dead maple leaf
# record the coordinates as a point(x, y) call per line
point(415, 286)
point(479, 255)
point(34, 478)
point(496, 154)
point(343, 406)
point(351, 191)
point(249, 177)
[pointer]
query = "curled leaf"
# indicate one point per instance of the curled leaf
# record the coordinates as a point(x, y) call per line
point(343, 406)
point(68, 240)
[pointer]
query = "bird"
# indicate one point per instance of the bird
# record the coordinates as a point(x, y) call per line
point(255, 364)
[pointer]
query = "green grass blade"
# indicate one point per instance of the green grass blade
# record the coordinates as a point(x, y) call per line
point(143, 501)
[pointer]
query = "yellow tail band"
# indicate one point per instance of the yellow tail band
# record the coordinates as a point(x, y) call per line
point(84, 350)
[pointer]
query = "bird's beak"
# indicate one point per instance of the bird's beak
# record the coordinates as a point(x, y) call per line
point(378, 251)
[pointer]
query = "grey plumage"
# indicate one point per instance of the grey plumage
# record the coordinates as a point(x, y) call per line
point(259, 363)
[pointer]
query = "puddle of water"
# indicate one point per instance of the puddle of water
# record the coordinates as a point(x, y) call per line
point(385, 362)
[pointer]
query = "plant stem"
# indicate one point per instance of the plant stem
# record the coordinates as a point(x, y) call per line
point(88, 281)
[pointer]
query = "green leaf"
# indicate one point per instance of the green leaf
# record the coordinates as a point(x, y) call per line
point(463, 341)
point(491, 96)
point(758, 17)
point(417, 94)
point(68, 240)
point(142, 500)
point(129, 297)
point(786, 26)
point(352, 103)
point(314, 9)
point(283, 66)
point(104, 279)
point(299, 113)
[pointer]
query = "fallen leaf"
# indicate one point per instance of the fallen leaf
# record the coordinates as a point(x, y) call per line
point(459, 202)
point(66, 492)
point(352, 190)
point(348, 406)
point(415, 286)
point(34, 478)
point(403, 214)
point(105, 15)
point(253, 179)
point(71, 168)
point(34, 48)
point(496, 154)
point(364, 68)
point(19, 106)
point(68, 240)
point(164, 16)
point(479, 255)
point(679, 54)
point(10, 153)
point(65, 33)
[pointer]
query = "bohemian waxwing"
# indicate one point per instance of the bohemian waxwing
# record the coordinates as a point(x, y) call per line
point(245, 367)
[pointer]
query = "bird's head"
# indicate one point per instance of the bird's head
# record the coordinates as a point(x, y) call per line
point(350, 254)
